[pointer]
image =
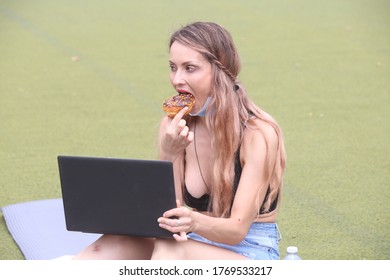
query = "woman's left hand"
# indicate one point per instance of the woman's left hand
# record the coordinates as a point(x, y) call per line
point(178, 220)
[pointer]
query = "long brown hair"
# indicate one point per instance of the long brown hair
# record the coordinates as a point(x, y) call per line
point(230, 100)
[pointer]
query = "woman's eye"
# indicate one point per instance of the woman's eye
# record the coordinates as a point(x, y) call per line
point(172, 67)
point(190, 68)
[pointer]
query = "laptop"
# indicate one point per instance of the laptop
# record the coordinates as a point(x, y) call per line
point(116, 196)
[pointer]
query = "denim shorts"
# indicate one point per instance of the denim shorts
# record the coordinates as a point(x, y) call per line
point(260, 243)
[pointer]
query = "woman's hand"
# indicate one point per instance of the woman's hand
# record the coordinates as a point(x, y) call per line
point(176, 136)
point(178, 220)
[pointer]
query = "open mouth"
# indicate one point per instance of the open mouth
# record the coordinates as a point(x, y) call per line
point(180, 91)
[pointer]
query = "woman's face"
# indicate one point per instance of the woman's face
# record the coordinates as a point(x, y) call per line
point(190, 72)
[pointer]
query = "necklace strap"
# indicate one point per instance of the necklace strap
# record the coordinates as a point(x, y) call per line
point(197, 158)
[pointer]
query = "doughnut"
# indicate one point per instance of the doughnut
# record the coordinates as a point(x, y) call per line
point(174, 104)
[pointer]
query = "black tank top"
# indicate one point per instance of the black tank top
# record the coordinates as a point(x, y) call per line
point(202, 203)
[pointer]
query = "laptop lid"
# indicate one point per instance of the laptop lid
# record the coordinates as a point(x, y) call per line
point(116, 196)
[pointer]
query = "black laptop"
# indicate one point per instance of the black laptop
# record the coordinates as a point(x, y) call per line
point(116, 196)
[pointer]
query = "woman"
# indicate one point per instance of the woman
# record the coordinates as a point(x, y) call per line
point(228, 157)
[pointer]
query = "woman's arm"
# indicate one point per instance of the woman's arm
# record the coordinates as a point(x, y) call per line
point(174, 137)
point(258, 151)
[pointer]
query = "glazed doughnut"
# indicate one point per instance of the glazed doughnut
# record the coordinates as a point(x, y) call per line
point(174, 104)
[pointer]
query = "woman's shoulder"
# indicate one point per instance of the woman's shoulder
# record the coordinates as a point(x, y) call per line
point(260, 128)
point(260, 138)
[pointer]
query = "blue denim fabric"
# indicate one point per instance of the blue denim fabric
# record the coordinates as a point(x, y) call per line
point(261, 242)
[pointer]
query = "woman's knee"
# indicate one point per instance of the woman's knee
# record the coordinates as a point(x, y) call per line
point(118, 247)
point(168, 250)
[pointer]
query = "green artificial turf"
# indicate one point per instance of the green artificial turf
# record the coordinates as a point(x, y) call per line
point(321, 68)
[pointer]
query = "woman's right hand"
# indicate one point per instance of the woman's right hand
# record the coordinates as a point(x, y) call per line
point(175, 136)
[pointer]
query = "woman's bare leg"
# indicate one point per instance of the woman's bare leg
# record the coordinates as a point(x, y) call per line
point(190, 250)
point(118, 247)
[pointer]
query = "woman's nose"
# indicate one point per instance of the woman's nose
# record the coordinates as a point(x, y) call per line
point(177, 78)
